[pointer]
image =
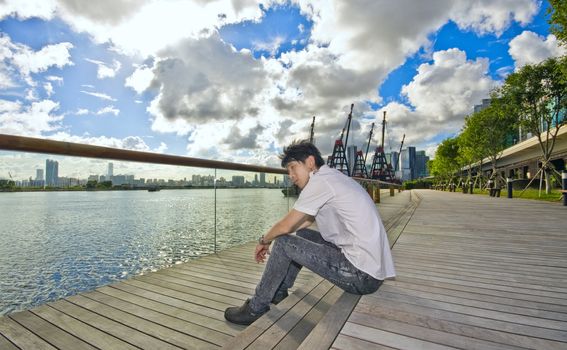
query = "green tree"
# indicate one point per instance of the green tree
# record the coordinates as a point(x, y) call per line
point(496, 122)
point(472, 146)
point(446, 163)
point(537, 96)
point(558, 20)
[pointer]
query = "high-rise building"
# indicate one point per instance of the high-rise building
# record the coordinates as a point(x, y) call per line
point(110, 171)
point(237, 180)
point(262, 179)
point(351, 154)
point(407, 163)
point(394, 160)
point(51, 172)
point(39, 175)
point(421, 160)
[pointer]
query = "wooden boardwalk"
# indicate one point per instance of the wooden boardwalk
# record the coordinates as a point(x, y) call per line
point(473, 272)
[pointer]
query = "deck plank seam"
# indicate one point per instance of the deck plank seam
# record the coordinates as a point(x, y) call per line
point(148, 320)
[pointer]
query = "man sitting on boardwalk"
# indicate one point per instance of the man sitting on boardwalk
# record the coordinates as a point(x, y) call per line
point(351, 250)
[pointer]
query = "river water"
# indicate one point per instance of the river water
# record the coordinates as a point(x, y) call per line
point(56, 244)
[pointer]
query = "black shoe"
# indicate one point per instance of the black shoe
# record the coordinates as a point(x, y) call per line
point(243, 314)
point(279, 297)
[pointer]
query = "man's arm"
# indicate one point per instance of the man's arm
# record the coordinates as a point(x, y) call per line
point(293, 221)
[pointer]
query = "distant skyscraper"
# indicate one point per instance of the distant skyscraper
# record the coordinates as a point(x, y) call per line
point(237, 180)
point(407, 163)
point(110, 171)
point(255, 179)
point(39, 175)
point(421, 164)
point(351, 153)
point(51, 172)
point(262, 178)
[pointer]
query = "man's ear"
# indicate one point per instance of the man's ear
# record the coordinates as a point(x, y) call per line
point(311, 162)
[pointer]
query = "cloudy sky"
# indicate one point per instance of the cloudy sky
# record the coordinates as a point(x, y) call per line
point(236, 80)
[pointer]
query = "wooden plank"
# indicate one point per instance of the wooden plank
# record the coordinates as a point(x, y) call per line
point(49, 332)
point(426, 334)
point(150, 328)
point(441, 290)
point(81, 330)
point(394, 340)
point(344, 342)
point(479, 303)
point(296, 336)
point(174, 311)
point(323, 336)
point(458, 287)
point(111, 327)
point(5, 344)
point(210, 293)
point(182, 304)
point(257, 328)
point(177, 324)
point(278, 330)
point(21, 336)
point(424, 317)
point(183, 279)
point(174, 293)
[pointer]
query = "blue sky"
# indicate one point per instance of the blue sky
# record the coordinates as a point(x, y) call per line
point(235, 81)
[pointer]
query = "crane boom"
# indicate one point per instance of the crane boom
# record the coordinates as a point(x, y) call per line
point(368, 145)
point(400, 152)
point(348, 125)
point(383, 129)
point(312, 134)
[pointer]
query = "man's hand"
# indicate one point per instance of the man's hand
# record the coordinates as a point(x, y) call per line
point(261, 251)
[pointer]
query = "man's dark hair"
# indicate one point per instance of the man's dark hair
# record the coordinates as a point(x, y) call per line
point(299, 151)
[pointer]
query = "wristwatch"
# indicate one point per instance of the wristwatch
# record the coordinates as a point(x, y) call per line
point(262, 241)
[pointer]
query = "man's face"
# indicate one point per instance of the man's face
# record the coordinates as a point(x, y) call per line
point(299, 171)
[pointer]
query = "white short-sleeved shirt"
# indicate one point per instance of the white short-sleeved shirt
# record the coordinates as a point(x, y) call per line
point(347, 217)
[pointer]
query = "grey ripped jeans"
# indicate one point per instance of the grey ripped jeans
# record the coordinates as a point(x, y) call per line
point(307, 248)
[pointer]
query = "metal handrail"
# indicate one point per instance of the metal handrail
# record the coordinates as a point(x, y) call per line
point(36, 145)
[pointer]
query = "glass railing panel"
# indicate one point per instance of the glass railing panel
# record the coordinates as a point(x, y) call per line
point(73, 224)
point(61, 239)
point(248, 206)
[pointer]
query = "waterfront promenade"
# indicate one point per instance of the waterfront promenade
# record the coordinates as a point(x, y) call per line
point(474, 272)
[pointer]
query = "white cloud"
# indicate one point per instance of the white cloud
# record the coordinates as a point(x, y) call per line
point(82, 111)
point(104, 70)
point(130, 142)
point(489, 16)
point(29, 61)
point(440, 96)
point(108, 110)
point(131, 25)
point(48, 89)
point(218, 83)
point(100, 95)
point(55, 79)
point(141, 78)
point(530, 48)
point(271, 46)
point(44, 9)
point(30, 120)
point(18, 62)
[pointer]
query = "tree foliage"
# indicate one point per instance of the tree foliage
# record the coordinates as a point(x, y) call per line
point(558, 19)
point(537, 96)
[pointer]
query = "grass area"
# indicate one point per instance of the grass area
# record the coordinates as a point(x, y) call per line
point(530, 193)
